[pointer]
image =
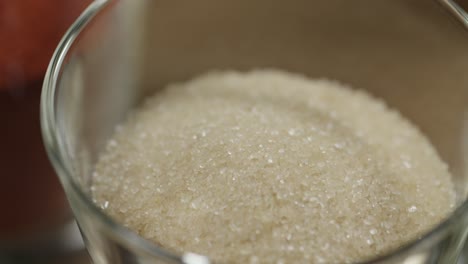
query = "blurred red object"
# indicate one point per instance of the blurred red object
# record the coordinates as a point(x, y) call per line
point(31, 198)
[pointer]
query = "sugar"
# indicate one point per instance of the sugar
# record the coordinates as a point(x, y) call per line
point(271, 167)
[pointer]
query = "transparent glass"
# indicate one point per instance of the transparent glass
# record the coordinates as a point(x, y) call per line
point(413, 54)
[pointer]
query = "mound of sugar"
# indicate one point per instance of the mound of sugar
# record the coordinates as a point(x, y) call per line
point(272, 167)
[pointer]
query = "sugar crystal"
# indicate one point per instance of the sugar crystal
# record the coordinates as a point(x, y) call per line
point(271, 167)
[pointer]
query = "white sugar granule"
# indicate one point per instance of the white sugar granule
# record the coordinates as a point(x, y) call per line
point(269, 166)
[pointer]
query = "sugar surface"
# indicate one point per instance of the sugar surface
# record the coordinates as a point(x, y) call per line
point(271, 167)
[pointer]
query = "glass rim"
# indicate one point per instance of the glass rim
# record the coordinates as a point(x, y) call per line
point(55, 152)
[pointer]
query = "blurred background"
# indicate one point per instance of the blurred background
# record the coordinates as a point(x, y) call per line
point(35, 222)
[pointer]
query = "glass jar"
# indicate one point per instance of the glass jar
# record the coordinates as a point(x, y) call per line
point(413, 54)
